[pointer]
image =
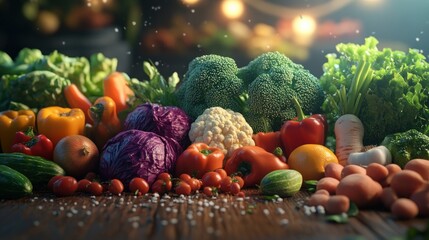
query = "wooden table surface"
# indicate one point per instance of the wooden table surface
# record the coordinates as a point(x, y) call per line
point(44, 216)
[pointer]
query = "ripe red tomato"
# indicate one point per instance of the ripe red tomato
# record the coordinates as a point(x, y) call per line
point(82, 185)
point(225, 184)
point(65, 186)
point(159, 186)
point(211, 179)
point(194, 183)
point(164, 176)
point(209, 191)
point(116, 187)
point(95, 188)
point(185, 177)
point(183, 187)
point(234, 188)
point(239, 180)
point(52, 181)
point(222, 172)
point(138, 186)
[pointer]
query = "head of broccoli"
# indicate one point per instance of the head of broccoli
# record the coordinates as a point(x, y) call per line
point(262, 90)
point(408, 145)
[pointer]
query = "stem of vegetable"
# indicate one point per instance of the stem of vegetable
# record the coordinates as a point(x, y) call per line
point(299, 112)
point(351, 100)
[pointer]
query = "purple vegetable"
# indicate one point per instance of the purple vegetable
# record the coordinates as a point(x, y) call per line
point(136, 153)
point(167, 121)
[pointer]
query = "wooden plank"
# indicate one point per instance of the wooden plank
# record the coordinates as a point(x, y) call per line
point(175, 217)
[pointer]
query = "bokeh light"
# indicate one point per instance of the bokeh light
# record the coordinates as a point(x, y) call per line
point(232, 9)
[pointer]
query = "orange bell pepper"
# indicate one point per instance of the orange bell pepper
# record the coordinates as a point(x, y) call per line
point(58, 122)
point(12, 121)
point(253, 163)
point(106, 122)
point(198, 159)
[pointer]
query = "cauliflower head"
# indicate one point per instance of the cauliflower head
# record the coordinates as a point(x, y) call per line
point(222, 128)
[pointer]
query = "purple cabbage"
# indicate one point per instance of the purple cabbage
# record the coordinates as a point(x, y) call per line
point(167, 121)
point(136, 153)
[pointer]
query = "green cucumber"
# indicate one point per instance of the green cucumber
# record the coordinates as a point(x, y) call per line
point(13, 184)
point(35, 168)
point(284, 183)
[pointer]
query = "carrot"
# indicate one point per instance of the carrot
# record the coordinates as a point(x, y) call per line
point(349, 137)
point(116, 87)
point(76, 99)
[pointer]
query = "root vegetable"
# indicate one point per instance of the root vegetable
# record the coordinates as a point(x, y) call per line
point(333, 170)
point(337, 204)
point(349, 132)
point(421, 198)
point(392, 169)
point(352, 169)
point(318, 200)
point(419, 165)
point(360, 189)
point(379, 154)
point(406, 182)
point(377, 172)
point(404, 208)
point(329, 184)
point(388, 196)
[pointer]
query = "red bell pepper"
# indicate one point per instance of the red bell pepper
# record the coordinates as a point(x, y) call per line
point(252, 163)
point(198, 159)
point(35, 145)
point(303, 130)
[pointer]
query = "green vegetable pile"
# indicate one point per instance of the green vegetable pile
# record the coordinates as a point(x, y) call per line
point(34, 80)
point(262, 91)
point(396, 100)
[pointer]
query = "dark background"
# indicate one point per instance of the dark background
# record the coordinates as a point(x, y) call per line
point(171, 33)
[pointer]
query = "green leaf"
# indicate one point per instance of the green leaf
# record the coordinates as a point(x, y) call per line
point(338, 218)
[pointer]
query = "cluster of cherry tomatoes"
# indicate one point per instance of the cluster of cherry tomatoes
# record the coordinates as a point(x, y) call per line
point(211, 184)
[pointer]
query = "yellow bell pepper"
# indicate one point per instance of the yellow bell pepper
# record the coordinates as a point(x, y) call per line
point(58, 122)
point(12, 121)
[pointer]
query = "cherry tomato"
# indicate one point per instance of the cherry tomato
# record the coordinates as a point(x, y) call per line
point(209, 191)
point(239, 180)
point(185, 177)
point(164, 176)
point(116, 187)
point(222, 172)
point(211, 179)
point(82, 185)
point(160, 186)
point(95, 188)
point(183, 187)
point(241, 194)
point(65, 186)
point(90, 176)
point(234, 188)
point(194, 183)
point(225, 184)
point(138, 186)
point(52, 181)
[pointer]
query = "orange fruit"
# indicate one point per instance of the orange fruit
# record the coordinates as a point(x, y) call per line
point(310, 160)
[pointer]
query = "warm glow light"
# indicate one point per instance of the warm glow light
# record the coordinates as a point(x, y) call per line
point(304, 25)
point(232, 8)
point(190, 2)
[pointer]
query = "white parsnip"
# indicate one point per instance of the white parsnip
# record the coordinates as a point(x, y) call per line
point(349, 132)
point(379, 154)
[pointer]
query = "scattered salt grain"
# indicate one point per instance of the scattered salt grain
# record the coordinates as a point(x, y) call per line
point(266, 212)
point(284, 222)
point(280, 211)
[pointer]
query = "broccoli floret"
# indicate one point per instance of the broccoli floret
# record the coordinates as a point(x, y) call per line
point(211, 80)
point(273, 79)
point(261, 91)
point(405, 146)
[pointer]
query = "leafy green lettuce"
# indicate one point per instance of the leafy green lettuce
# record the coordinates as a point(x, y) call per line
point(398, 96)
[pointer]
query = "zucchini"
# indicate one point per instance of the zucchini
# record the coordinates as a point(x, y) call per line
point(284, 183)
point(39, 170)
point(13, 184)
